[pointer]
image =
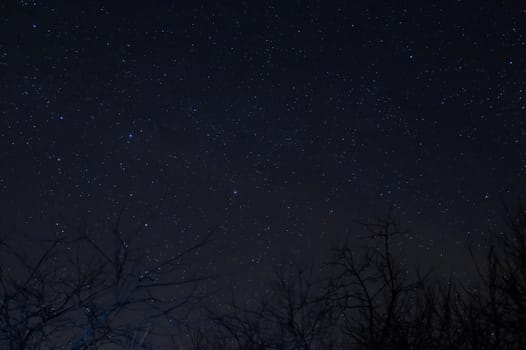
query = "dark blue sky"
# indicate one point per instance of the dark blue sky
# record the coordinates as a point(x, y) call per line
point(274, 123)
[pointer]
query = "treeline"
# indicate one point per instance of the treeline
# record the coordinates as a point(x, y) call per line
point(372, 301)
point(365, 299)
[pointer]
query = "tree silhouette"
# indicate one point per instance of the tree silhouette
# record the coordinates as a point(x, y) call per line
point(371, 300)
point(501, 301)
point(79, 293)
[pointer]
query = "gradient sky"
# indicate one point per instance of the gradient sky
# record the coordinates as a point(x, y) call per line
point(274, 124)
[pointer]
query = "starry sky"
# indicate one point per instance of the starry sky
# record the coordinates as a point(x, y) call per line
point(274, 124)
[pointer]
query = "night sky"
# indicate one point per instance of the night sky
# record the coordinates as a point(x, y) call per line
point(273, 124)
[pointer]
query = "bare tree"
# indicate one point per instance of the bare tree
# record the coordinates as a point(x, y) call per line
point(85, 290)
point(508, 273)
point(373, 294)
point(372, 300)
point(362, 299)
point(293, 315)
point(495, 313)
